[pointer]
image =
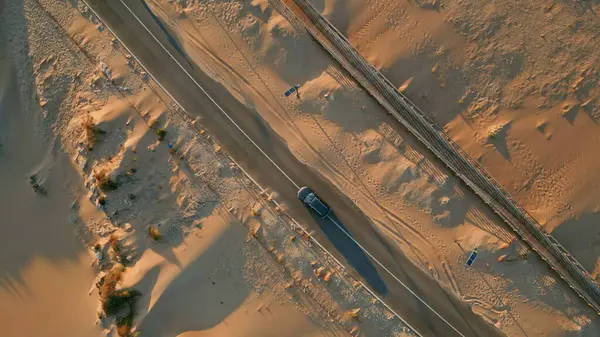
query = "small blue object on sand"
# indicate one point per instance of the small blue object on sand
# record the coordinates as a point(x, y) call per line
point(471, 258)
point(290, 91)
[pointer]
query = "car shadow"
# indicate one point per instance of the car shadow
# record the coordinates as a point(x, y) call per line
point(344, 242)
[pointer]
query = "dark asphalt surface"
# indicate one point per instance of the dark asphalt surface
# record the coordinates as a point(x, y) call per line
point(195, 102)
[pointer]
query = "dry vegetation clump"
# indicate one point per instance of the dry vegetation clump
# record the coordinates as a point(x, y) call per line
point(36, 186)
point(114, 243)
point(104, 181)
point(352, 314)
point(91, 131)
point(161, 133)
point(125, 323)
point(120, 303)
point(154, 233)
point(119, 252)
point(110, 281)
point(119, 300)
point(494, 131)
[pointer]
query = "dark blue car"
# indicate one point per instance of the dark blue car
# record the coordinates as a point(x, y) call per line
point(310, 200)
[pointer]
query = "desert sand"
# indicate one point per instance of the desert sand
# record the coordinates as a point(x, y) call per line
point(41, 259)
point(94, 158)
point(412, 200)
point(515, 84)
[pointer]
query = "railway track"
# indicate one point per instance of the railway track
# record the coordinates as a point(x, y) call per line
point(444, 148)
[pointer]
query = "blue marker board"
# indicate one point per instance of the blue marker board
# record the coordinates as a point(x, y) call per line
point(471, 258)
point(290, 91)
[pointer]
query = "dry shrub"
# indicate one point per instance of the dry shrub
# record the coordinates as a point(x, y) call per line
point(124, 324)
point(119, 301)
point(353, 313)
point(161, 133)
point(111, 279)
point(114, 243)
point(103, 180)
point(91, 131)
point(120, 252)
point(495, 130)
point(154, 233)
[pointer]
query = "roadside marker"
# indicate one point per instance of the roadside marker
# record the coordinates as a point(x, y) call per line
point(471, 258)
point(291, 90)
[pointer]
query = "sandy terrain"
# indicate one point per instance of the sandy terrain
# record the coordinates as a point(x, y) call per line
point(340, 131)
point(207, 275)
point(515, 84)
point(94, 156)
point(43, 265)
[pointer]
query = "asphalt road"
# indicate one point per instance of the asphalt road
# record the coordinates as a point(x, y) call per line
point(235, 143)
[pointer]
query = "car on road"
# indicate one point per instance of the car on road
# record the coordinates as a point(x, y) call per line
point(310, 200)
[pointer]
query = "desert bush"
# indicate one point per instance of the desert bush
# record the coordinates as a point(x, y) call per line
point(91, 131)
point(115, 302)
point(154, 233)
point(495, 131)
point(119, 300)
point(104, 181)
point(161, 133)
point(352, 314)
point(111, 279)
point(124, 324)
point(114, 243)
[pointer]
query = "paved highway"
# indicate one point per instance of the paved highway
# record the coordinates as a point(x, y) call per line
point(255, 146)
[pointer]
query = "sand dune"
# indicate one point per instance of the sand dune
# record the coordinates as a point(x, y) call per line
point(528, 67)
point(205, 292)
point(343, 134)
point(79, 116)
point(44, 268)
point(82, 118)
